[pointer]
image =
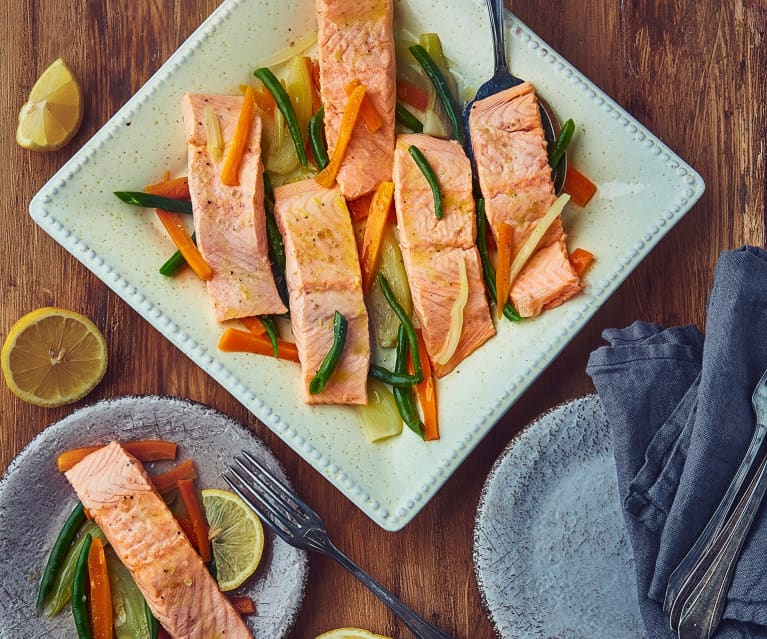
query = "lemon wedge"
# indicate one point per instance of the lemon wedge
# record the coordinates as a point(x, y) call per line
point(236, 536)
point(349, 633)
point(53, 112)
point(53, 356)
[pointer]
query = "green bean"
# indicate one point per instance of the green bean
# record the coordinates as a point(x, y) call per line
point(149, 201)
point(431, 177)
point(316, 138)
point(403, 397)
point(286, 107)
point(488, 269)
point(405, 320)
point(408, 119)
point(268, 188)
point(151, 622)
point(443, 91)
point(171, 266)
point(79, 603)
point(330, 361)
point(271, 330)
point(60, 547)
point(559, 148)
point(276, 246)
point(393, 379)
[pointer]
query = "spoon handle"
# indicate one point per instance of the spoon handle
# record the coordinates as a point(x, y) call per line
point(499, 37)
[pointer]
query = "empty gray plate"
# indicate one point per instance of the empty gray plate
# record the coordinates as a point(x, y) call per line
point(35, 499)
point(551, 552)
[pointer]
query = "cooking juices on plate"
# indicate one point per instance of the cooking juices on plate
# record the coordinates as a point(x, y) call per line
point(302, 233)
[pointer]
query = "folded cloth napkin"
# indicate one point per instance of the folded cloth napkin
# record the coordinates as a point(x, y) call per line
point(679, 408)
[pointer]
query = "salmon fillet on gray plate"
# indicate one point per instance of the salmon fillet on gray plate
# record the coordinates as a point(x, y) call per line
point(323, 275)
point(229, 221)
point(355, 41)
point(433, 249)
point(183, 596)
point(515, 178)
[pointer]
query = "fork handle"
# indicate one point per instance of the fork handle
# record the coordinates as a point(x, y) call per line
point(420, 628)
point(499, 36)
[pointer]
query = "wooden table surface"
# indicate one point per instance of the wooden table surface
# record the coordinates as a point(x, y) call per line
point(691, 71)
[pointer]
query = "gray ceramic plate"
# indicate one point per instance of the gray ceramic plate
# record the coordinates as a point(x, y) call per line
point(35, 499)
point(551, 553)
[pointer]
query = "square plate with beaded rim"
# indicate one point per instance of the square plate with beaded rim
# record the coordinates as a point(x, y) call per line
point(644, 189)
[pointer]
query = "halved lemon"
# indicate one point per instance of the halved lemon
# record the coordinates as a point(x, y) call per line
point(53, 112)
point(349, 633)
point(236, 536)
point(53, 356)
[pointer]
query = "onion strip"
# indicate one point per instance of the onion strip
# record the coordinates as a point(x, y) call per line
point(456, 317)
point(531, 243)
point(297, 48)
point(213, 133)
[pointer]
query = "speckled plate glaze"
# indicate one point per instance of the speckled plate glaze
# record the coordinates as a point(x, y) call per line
point(35, 500)
point(644, 189)
point(551, 552)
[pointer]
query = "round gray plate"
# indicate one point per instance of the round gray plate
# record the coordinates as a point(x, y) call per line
point(35, 499)
point(551, 552)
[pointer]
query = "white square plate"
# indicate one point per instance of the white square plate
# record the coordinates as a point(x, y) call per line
point(644, 189)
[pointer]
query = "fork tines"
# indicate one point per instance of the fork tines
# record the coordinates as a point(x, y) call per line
point(280, 508)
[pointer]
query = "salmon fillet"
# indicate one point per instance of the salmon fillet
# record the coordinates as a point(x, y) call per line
point(514, 175)
point(323, 276)
point(433, 248)
point(116, 490)
point(355, 40)
point(229, 220)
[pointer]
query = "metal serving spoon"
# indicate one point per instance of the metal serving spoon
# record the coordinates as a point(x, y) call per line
point(502, 79)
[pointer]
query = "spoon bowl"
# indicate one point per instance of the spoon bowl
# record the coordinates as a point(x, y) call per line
point(502, 79)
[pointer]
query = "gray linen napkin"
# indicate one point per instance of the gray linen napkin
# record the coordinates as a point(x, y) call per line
point(679, 408)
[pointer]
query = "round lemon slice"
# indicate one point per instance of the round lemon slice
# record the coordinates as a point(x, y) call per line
point(53, 356)
point(53, 111)
point(236, 535)
point(349, 633)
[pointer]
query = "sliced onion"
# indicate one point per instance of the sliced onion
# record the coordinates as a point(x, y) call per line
point(213, 133)
point(456, 317)
point(528, 248)
point(297, 48)
point(379, 418)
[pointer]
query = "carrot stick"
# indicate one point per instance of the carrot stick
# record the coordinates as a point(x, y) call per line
point(143, 449)
point(193, 507)
point(413, 95)
point(368, 112)
point(374, 230)
point(327, 176)
point(581, 259)
point(426, 391)
point(186, 525)
point(503, 272)
point(184, 243)
point(578, 186)
point(100, 593)
point(263, 99)
point(168, 480)
point(254, 325)
point(175, 189)
point(239, 140)
point(242, 604)
point(360, 207)
point(236, 341)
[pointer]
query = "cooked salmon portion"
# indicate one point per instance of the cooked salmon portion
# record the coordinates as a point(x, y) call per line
point(115, 489)
point(323, 275)
point(512, 165)
point(229, 220)
point(432, 248)
point(355, 41)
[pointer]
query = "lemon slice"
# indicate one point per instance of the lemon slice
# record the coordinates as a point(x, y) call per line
point(53, 356)
point(349, 633)
point(53, 111)
point(236, 535)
